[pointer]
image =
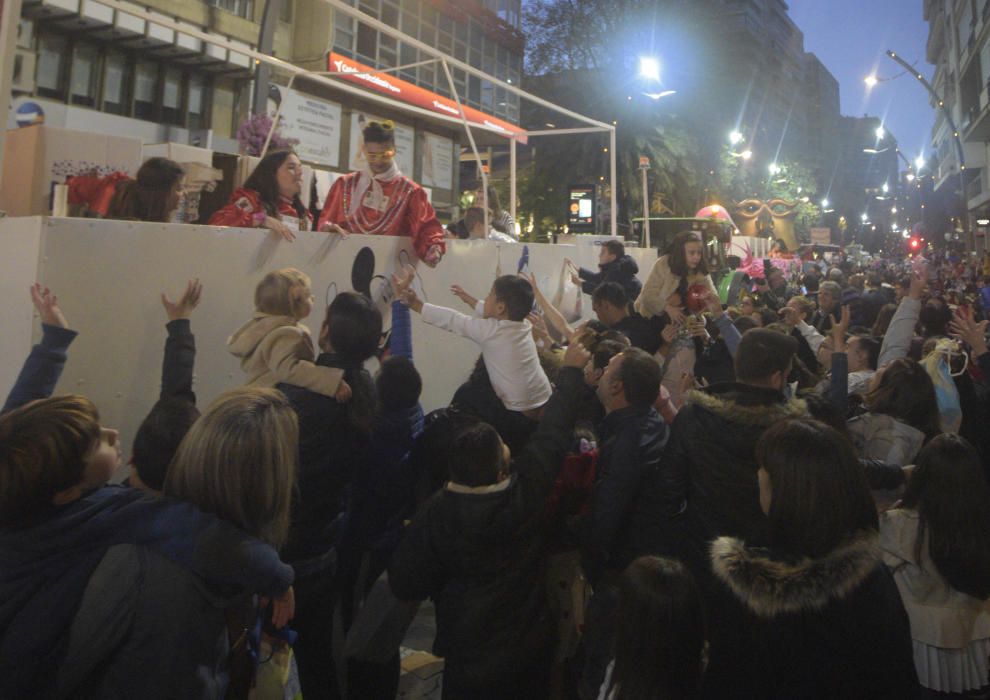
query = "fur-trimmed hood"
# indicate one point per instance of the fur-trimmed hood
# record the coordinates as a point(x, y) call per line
point(770, 587)
point(747, 405)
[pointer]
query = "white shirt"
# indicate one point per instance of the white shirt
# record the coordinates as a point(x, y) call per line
point(509, 352)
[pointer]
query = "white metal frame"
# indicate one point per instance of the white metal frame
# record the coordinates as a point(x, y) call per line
point(445, 60)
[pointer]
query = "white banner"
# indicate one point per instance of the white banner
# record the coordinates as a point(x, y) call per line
point(405, 142)
point(315, 124)
point(438, 162)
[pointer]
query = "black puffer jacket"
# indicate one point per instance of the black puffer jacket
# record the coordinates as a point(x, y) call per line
point(622, 271)
point(714, 441)
point(638, 495)
point(831, 627)
point(478, 553)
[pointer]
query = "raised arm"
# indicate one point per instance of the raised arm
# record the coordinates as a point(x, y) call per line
point(44, 365)
point(897, 340)
point(180, 345)
point(550, 312)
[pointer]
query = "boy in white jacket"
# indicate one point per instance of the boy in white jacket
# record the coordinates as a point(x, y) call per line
point(500, 327)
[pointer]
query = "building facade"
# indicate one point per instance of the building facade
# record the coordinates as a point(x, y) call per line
point(91, 68)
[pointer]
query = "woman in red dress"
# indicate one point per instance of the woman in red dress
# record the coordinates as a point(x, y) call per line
point(269, 198)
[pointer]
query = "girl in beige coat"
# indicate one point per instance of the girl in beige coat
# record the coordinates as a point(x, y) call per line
point(671, 275)
point(937, 545)
point(275, 347)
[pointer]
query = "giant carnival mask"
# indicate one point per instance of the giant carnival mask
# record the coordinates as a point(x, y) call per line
point(773, 218)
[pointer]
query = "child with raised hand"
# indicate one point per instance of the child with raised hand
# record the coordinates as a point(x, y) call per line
point(500, 327)
point(275, 347)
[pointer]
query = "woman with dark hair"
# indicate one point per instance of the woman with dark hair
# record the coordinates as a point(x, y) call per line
point(660, 639)
point(814, 614)
point(269, 198)
point(902, 414)
point(937, 545)
point(683, 265)
point(153, 195)
point(333, 443)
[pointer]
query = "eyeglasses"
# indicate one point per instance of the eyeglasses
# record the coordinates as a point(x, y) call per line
point(379, 157)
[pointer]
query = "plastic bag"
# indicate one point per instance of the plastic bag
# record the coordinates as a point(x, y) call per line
point(936, 363)
point(568, 297)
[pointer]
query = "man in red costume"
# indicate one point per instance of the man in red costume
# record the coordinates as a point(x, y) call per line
point(380, 200)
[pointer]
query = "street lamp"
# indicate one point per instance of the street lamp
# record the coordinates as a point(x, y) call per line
point(885, 188)
point(909, 177)
point(649, 68)
point(871, 81)
point(773, 168)
point(919, 162)
point(880, 133)
point(735, 137)
point(863, 217)
point(824, 204)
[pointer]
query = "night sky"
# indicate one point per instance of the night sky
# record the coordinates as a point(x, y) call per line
point(850, 38)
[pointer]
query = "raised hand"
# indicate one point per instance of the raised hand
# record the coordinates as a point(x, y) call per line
point(964, 327)
point(187, 302)
point(402, 284)
point(839, 329)
point(918, 282)
point(46, 304)
point(328, 227)
point(713, 304)
point(576, 356)
point(459, 292)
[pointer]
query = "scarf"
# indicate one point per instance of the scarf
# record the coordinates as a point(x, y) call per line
point(368, 179)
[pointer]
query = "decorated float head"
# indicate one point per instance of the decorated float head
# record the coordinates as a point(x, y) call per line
point(773, 218)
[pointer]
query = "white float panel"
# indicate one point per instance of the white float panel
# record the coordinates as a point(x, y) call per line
point(109, 275)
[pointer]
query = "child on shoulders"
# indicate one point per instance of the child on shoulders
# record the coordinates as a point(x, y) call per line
point(275, 347)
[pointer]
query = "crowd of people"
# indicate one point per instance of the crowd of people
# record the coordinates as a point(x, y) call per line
point(787, 497)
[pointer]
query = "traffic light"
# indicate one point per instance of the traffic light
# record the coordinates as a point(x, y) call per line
point(914, 244)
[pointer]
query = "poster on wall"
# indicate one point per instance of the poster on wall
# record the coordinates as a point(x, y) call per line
point(405, 141)
point(438, 162)
point(315, 124)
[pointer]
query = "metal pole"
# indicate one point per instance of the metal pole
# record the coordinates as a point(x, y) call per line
point(512, 181)
point(470, 135)
point(613, 185)
point(266, 42)
point(646, 210)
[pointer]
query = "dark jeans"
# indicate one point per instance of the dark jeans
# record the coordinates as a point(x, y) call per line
point(315, 600)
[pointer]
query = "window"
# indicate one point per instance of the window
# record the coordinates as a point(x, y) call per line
point(427, 75)
point(145, 84)
point(51, 69)
point(343, 34)
point(197, 103)
point(172, 97)
point(407, 55)
point(387, 51)
point(85, 75)
point(241, 8)
point(390, 14)
point(367, 41)
point(370, 7)
point(285, 11)
point(116, 82)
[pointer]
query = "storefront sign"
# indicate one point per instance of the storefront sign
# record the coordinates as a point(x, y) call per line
point(388, 84)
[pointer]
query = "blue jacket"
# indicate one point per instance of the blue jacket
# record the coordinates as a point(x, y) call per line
point(45, 567)
point(41, 370)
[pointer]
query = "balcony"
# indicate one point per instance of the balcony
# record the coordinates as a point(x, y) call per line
point(976, 119)
point(977, 190)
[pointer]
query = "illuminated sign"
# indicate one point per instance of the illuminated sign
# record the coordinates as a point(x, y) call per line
point(581, 208)
point(388, 84)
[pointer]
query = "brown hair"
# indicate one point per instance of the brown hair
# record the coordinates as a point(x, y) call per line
point(43, 450)
point(274, 293)
point(820, 495)
point(677, 259)
point(906, 392)
point(148, 197)
point(239, 462)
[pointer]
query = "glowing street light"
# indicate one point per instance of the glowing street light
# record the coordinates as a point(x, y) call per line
point(885, 188)
point(919, 162)
point(746, 155)
point(871, 81)
point(863, 217)
point(909, 177)
point(893, 210)
point(824, 204)
point(773, 168)
point(649, 68)
point(735, 137)
point(880, 133)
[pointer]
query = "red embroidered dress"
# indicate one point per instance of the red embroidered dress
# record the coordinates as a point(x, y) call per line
point(245, 210)
point(405, 211)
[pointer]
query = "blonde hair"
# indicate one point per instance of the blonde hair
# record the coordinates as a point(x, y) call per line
point(239, 462)
point(274, 293)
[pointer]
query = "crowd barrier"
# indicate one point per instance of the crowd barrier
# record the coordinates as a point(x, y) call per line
point(109, 274)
